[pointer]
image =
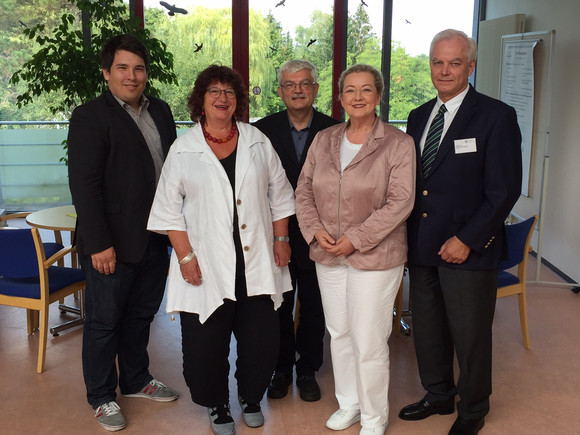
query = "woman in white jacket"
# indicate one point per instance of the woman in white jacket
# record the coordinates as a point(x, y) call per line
point(224, 201)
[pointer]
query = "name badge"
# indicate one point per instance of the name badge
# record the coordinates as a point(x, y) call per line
point(463, 146)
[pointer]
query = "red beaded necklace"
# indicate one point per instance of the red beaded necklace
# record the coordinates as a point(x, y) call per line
point(209, 137)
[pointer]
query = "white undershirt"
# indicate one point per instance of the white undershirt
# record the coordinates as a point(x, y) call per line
point(347, 152)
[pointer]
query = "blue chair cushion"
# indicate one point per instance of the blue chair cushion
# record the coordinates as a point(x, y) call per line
point(51, 248)
point(505, 278)
point(58, 278)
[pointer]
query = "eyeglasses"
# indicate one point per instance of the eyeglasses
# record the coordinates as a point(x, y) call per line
point(304, 84)
point(216, 93)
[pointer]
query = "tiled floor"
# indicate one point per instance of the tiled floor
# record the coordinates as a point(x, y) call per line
point(536, 391)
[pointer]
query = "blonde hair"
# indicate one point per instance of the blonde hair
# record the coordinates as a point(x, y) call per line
point(362, 67)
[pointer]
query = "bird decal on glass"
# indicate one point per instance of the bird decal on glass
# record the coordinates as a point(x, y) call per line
point(172, 9)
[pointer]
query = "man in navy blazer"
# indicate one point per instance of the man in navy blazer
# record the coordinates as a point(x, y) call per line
point(456, 233)
point(117, 145)
point(291, 132)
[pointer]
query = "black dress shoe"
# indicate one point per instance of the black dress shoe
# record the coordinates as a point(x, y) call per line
point(423, 409)
point(463, 426)
point(279, 384)
point(309, 389)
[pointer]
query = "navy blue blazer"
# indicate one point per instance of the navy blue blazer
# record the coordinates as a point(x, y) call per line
point(112, 175)
point(277, 128)
point(468, 195)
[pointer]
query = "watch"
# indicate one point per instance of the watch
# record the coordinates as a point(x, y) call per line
point(282, 239)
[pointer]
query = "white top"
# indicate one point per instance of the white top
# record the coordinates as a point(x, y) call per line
point(452, 107)
point(347, 151)
point(195, 195)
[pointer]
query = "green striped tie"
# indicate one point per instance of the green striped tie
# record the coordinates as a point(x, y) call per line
point(432, 140)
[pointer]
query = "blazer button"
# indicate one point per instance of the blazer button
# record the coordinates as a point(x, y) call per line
point(424, 215)
point(425, 192)
point(243, 226)
point(239, 202)
point(246, 248)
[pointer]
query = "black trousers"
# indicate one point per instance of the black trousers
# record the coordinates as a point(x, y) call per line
point(453, 310)
point(308, 341)
point(206, 348)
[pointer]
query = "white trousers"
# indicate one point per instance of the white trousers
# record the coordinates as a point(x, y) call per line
point(358, 309)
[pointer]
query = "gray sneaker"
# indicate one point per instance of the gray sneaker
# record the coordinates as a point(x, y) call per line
point(252, 413)
point(109, 417)
point(221, 420)
point(157, 391)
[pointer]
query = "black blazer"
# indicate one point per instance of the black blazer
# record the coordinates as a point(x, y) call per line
point(468, 195)
point(112, 175)
point(277, 128)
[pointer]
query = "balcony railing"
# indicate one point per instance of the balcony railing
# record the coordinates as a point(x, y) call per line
point(32, 175)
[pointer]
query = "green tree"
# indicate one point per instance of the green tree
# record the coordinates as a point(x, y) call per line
point(15, 17)
point(315, 44)
point(203, 37)
point(65, 66)
point(410, 82)
point(210, 29)
point(262, 70)
point(280, 51)
point(359, 31)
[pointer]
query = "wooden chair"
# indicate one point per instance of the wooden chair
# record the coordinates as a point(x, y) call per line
point(29, 280)
point(50, 248)
point(518, 240)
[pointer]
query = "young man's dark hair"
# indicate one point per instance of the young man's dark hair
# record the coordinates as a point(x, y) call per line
point(123, 42)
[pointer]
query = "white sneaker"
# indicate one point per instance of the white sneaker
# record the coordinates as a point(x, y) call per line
point(343, 418)
point(373, 430)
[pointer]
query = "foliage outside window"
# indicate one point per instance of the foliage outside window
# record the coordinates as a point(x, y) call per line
point(60, 73)
point(69, 67)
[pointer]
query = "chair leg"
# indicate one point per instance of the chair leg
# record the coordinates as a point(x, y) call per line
point(398, 310)
point(42, 341)
point(31, 321)
point(524, 319)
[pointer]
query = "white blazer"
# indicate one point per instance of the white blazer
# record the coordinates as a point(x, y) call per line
point(195, 195)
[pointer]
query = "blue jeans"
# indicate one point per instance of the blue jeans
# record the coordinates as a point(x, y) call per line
point(119, 310)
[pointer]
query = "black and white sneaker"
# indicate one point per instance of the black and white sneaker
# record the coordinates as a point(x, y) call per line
point(221, 420)
point(252, 413)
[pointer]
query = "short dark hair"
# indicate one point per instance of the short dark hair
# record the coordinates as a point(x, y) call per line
point(212, 74)
point(123, 42)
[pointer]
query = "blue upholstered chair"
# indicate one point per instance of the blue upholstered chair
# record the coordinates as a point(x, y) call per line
point(518, 241)
point(28, 279)
point(50, 248)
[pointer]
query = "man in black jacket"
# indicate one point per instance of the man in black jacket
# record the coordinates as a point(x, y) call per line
point(291, 132)
point(117, 145)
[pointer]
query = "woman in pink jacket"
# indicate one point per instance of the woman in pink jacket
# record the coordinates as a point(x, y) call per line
point(355, 191)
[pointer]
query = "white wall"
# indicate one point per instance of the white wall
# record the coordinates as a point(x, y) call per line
point(561, 232)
